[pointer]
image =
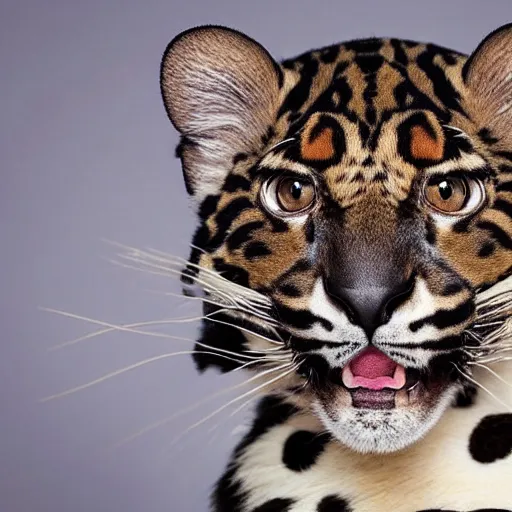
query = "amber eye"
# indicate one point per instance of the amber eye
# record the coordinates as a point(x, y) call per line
point(289, 196)
point(454, 195)
point(294, 195)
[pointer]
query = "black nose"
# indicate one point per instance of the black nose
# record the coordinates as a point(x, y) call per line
point(371, 306)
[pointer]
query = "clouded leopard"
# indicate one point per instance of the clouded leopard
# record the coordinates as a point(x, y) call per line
point(353, 254)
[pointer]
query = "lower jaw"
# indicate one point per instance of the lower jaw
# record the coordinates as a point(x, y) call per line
point(386, 399)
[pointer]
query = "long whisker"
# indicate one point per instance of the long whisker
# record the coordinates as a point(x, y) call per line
point(235, 400)
point(499, 377)
point(119, 327)
point(127, 369)
point(481, 386)
point(139, 254)
point(146, 333)
point(261, 336)
point(182, 412)
point(236, 304)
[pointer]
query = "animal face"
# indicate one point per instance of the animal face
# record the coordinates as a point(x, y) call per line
point(353, 204)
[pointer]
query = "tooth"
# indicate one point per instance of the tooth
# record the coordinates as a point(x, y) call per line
point(347, 377)
point(399, 377)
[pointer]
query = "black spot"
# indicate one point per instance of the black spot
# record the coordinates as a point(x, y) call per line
point(256, 250)
point(228, 495)
point(302, 89)
point(505, 187)
point(310, 231)
point(236, 182)
point(487, 249)
point(486, 136)
point(400, 55)
point(465, 397)
point(333, 503)
point(225, 217)
point(208, 206)
point(199, 241)
point(504, 206)
point(431, 232)
point(370, 45)
point(275, 505)
point(452, 288)
point(242, 234)
point(364, 131)
point(443, 88)
point(498, 233)
point(445, 318)
point(290, 290)
point(369, 64)
point(358, 178)
point(380, 176)
point(330, 54)
point(221, 337)
point(368, 161)
point(232, 273)
point(492, 438)
point(239, 157)
point(303, 448)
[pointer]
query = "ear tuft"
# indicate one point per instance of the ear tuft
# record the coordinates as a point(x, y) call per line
point(221, 91)
point(488, 77)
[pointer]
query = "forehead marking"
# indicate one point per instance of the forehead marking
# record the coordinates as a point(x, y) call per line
point(424, 146)
point(318, 144)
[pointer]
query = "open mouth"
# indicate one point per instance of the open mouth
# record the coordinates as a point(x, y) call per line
point(375, 381)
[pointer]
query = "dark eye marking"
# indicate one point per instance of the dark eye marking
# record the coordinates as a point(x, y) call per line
point(235, 182)
point(445, 318)
point(225, 218)
point(243, 234)
point(499, 234)
point(256, 250)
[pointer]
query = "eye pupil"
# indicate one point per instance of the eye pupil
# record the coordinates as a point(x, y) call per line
point(296, 190)
point(445, 190)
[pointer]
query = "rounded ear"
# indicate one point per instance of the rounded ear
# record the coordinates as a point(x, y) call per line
point(221, 92)
point(488, 76)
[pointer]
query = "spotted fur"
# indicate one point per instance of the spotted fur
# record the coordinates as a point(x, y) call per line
point(368, 123)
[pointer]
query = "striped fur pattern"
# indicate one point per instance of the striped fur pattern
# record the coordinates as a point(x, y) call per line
point(367, 126)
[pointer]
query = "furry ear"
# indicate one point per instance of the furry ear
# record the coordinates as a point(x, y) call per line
point(221, 92)
point(488, 77)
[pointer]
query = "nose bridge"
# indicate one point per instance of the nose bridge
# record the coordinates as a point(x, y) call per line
point(368, 264)
point(370, 252)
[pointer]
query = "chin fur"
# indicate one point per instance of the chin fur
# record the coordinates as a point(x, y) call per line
point(379, 431)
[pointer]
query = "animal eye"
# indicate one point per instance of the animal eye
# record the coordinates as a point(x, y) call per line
point(289, 195)
point(454, 195)
point(294, 195)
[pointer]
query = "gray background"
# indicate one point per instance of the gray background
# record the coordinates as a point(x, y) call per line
point(87, 153)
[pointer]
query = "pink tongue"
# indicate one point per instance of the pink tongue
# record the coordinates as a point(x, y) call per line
point(372, 369)
point(372, 363)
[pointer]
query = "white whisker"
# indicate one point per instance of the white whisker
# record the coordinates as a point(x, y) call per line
point(127, 369)
point(190, 408)
point(481, 386)
point(499, 377)
point(235, 400)
point(146, 333)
